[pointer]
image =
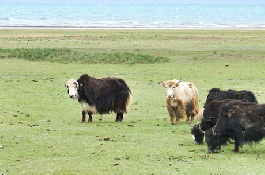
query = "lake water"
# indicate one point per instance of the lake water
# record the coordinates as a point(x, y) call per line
point(84, 15)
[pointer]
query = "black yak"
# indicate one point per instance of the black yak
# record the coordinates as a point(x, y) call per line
point(100, 96)
point(209, 119)
point(217, 94)
point(243, 122)
point(210, 114)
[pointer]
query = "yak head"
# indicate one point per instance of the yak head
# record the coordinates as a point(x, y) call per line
point(171, 87)
point(72, 88)
point(197, 134)
point(212, 140)
point(206, 123)
point(212, 95)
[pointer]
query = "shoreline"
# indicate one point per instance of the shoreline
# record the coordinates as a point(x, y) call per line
point(129, 28)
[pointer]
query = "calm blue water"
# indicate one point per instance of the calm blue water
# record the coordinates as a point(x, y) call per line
point(68, 15)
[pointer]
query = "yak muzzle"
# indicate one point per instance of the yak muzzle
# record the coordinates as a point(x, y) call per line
point(72, 96)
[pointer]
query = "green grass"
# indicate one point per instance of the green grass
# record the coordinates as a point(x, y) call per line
point(40, 129)
point(72, 56)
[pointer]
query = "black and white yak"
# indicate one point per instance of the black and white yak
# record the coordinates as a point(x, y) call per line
point(100, 96)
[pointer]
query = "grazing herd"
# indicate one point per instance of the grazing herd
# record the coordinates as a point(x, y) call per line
point(230, 115)
point(226, 115)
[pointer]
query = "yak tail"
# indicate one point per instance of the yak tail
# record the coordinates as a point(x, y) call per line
point(196, 104)
point(196, 101)
point(129, 101)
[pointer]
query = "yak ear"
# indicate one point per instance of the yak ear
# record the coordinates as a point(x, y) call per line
point(177, 83)
point(76, 84)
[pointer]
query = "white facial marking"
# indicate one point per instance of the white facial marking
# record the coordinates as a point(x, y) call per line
point(171, 88)
point(72, 86)
point(170, 92)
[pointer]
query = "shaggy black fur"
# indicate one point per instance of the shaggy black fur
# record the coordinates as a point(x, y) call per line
point(198, 134)
point(107, 94)
point(243, 122)
point(209, 119)
point(215, 100)
point(211, 111)
point(217, 94)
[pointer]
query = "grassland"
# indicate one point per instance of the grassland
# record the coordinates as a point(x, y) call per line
point(40, 129)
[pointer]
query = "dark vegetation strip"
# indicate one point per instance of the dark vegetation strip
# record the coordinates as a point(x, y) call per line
point(65, 55)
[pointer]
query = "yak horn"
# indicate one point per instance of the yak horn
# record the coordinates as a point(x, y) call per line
point(179, 79)
point(214, 133)
point(163, 83)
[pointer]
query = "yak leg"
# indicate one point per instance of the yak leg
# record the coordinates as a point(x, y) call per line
point(90, 117)
point(236, 147)
point(172, 114)
point(171, 117)
point(192, 117)
point(119, 117)
point(177, 120)
point(187, 119)
point(182, 110)
point(83, 116)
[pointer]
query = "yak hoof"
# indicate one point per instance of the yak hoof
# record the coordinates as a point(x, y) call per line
point(235, 151)
point(209, 152)
point(198, 143)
